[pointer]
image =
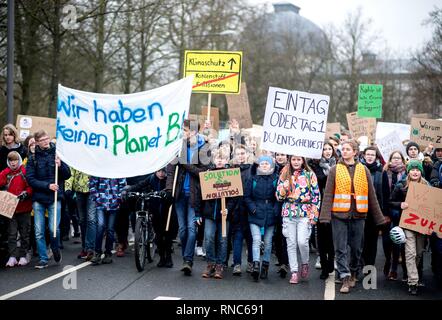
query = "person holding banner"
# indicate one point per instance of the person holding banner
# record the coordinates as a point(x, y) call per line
point(349, 196)
point(298, 188)
point(40, 173)
point(210, 210)
point(396, 170)
point(186, 180)
point(414, 245)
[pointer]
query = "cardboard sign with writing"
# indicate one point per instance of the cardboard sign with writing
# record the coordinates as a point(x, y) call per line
point(295, 122)
point(361, 126)
point(221, 184)
point(424, 131)
point(370, 101)
point(27, 125)
point(421, 115)
point(390, 143)
point(8, 203)
point(214, 116)
point(332, 128)
point(424, 212)
point(239, 108)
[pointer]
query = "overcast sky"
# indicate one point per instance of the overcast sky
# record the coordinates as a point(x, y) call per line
point(399, 22)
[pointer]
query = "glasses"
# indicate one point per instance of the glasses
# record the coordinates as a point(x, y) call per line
point(43, 139)
point(396, 158)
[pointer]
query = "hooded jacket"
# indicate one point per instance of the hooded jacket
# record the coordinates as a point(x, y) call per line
point(16, 183)
point(40, 173)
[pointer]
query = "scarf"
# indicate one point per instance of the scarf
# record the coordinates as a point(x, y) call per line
point(397, 169)
point(326, 164)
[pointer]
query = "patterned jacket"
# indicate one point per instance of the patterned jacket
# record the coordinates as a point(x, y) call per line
point(106, 192)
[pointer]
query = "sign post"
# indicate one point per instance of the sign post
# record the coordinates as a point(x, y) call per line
point(221, 184)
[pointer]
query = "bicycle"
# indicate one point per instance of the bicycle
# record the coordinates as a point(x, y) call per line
point(144, 232)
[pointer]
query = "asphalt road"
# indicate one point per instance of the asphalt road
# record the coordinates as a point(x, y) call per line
point(121, 281)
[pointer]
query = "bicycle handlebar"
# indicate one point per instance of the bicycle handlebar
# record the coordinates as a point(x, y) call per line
point(144, 195)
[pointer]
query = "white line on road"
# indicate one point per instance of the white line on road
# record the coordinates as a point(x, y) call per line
point(329, 293)
point(167, 298)
point(44, 281)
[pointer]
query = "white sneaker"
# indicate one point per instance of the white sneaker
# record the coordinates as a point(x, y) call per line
point(200, 252)
point(12, 262)
point(335, 265)
point(23, 261)
point(318, 263)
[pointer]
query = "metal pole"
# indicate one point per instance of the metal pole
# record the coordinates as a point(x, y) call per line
point(10, 57)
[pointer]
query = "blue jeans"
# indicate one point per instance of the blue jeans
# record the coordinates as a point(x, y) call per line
point(256, 235)
point(239, 233)
point(105, 223)
point(39, 222)
point(91, 225)
point(186, 227)
point(216, 245)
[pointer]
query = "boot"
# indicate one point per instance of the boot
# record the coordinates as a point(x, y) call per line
point(264, 270)
point(162, 261)
point(168, 263)
point(255, 271)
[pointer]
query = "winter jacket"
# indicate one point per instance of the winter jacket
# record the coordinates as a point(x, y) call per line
point(193, 169)
point(4, 151)
point(40, 173)
point(16, 183)
point(327, 202)
point(78, 182)
point(302, 198)
point(260, 199)
point(240, 215)
point(436, 178)
point(106, 193)
point(380, 184)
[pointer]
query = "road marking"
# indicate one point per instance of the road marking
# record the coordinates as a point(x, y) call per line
point(329, 293)
point(167, 298)
point(44, 281)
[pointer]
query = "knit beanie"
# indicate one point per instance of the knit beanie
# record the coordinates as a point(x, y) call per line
point(266, 158)
point(415, 164)
point(411, 144)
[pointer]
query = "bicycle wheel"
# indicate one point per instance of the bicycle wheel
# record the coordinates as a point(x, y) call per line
point(150, 242)
point(140, 244)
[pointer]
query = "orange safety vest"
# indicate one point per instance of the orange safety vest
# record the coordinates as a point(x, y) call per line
point(342, 198)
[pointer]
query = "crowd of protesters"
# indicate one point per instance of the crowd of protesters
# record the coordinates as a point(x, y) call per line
point(338, 204)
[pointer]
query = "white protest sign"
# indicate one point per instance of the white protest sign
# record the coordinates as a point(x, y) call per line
point(8, 204)
point(118, 136)
point(390, 143)
point(385, 128)
point(295, 122)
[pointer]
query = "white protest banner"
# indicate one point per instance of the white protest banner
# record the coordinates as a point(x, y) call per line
point(385, 128)
point(295, 122)
point(390, 143)
point(8, 203)
point(118, 136)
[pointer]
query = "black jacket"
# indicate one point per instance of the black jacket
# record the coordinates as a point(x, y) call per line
point(40, 173)
point(261, 201)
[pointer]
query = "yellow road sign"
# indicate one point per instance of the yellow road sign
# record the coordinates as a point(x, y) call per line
point(215, 71)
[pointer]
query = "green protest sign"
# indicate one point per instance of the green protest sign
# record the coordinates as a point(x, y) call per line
point(370, 101)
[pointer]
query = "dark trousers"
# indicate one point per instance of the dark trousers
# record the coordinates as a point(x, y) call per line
point(371, 235)
point(200, 234)
point(20, 222)
point(69, 213)
point(164, 239)
point(325, 246)
point(280, 245)
point(82, 201)
point(124, 216)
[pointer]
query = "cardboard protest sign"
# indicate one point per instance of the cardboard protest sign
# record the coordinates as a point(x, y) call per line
point(424, 131)
point(27, 125)
point(120, 136)
point(8, 203)
point(218, 184)
point(215, 71)
point(383, 129)
point(370, 101)
point(295, 122)
point(424, 212)
point(332, 128)
point(390, 143)
point(214, 116)
point(239, 108)
point(421, 115)
point(361, 126)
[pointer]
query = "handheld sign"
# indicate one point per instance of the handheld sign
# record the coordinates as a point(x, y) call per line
point(370, 101)
point(215, 71)
point(332, 128)
point(424, 212)
point(8, 204)
point(239, 108)
point(222, 184)
point(28, 125)
point(383, 129)
point(361, 126)
point(390, 143)
point(424, 131)
point(295, 122)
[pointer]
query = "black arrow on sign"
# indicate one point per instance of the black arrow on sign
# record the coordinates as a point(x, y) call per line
point(232, 62)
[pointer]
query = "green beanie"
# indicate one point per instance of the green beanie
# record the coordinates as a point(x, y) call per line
point(415, 164)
